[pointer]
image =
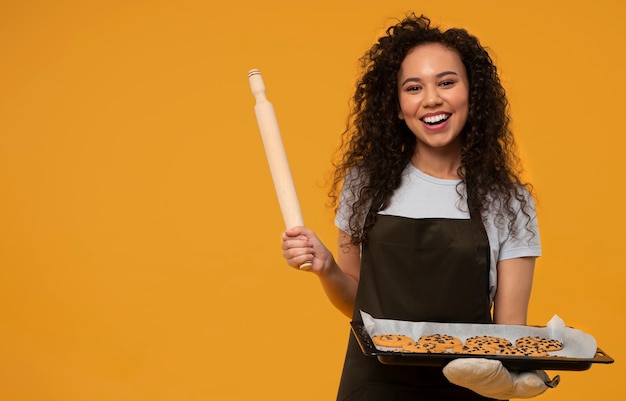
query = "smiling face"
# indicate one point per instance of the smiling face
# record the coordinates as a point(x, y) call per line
point(433, 93)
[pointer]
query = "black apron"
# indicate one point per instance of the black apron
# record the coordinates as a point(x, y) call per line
point(432, 269)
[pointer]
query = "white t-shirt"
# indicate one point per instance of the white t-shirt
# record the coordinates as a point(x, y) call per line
point(422, 196)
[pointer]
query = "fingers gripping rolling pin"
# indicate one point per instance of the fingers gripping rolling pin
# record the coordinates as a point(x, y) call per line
point(276, 156)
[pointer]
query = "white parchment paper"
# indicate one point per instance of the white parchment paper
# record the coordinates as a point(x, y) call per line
point(576, 344)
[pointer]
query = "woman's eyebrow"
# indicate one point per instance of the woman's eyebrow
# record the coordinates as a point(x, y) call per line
point(439, 75)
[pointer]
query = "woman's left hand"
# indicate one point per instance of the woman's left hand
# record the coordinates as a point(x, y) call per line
point(489, 378)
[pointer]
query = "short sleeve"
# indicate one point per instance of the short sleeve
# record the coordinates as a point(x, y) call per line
point(349, 191)
point(526, 240)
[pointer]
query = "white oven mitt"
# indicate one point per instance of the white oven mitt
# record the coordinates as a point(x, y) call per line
point(489, 378)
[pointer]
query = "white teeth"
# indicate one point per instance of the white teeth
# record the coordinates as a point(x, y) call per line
point(435, 119)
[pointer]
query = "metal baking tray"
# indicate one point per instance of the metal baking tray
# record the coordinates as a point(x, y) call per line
point(441, 359)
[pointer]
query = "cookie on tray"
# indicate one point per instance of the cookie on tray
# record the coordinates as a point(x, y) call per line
point(490, 342)
point(474, 350)
point(540, 343)
point(414, 347)
point(440, 342)
point(392, 340)
point(523, 351)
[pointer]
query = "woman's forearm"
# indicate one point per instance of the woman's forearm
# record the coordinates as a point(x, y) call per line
point(340, 288)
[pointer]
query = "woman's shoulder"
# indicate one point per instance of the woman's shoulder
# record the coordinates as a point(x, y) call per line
point(513, 214)
point(517, 196)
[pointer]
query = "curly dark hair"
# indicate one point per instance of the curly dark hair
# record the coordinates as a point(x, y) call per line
point(381, 145)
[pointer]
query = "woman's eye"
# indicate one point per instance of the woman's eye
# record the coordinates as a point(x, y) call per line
point(413, 88)
point(447, 83)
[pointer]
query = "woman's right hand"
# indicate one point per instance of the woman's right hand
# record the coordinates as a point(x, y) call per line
point(301, 245)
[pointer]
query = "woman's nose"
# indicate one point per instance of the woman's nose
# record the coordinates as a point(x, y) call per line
point(432, 98)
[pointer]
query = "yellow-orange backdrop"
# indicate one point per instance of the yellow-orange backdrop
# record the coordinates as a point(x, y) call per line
point(139, 231)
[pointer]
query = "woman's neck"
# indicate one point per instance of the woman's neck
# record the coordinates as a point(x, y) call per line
point(437, 164)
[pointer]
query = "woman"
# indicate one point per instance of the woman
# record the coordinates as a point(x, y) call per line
point(434, 221)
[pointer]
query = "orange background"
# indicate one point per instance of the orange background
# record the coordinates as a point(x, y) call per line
point(140, 234)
